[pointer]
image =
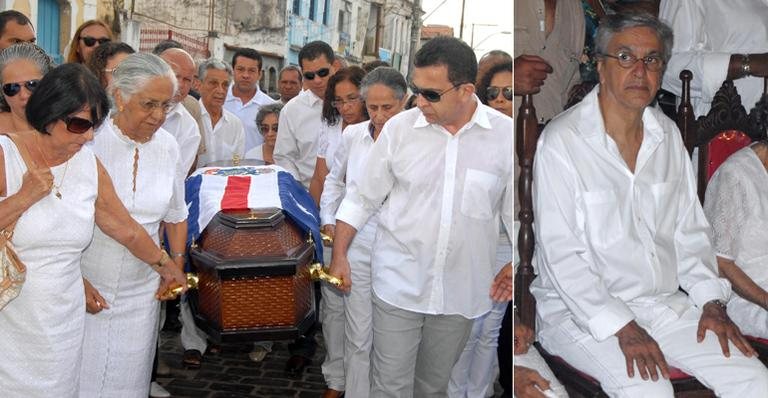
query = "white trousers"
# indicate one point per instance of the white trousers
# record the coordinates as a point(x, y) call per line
point(358, 310)
point(332, 319)
point(413, 353)
point(192, 338)
point(533, 360)
point(475, 372)
point(737, 376)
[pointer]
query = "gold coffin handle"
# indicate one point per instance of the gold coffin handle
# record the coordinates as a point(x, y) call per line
point(327, 240)
point(192, 281)
point(318, 273)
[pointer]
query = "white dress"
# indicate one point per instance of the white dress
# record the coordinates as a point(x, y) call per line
point(120, 341)
point(41, 331)
point(736, 205)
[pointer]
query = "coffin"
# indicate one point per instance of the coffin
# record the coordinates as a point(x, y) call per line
point(254, 282)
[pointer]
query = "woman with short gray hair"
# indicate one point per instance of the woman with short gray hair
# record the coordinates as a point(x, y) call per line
point(143, 161)
point(383, 91)
point(22, 66)
point(266, 121)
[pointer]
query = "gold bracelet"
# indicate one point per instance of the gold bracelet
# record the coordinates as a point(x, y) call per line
point(163, 258)
point(177, 254)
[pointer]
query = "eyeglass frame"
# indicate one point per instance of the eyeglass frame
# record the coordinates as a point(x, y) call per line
point(30, 85)
point(93, 40)
point(68, 122)
point(149, 106)
point(499, 90)
point(321, 73)
point(340, 103)
point(269, 127)
point(645, 60)
point(432, 96)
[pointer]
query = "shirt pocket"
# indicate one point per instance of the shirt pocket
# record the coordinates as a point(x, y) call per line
point(479, 194)
point(603, 218)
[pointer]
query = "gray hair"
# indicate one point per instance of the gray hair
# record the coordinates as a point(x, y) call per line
point(385, 76)
point(266, 110)
point(132, 75)
point(290, 67)
point(212, 63)
point(615, 23)
point(23, 51)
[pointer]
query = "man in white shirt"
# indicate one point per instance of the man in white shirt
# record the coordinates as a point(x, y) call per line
point(620, 231)
point(717, 40)
point(179, 122)
point(244, 97)
point(300, 120)
point(224, 135)
point(289, 83)
point(440, 176)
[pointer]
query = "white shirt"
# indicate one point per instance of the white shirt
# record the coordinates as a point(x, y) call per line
point(222, 141)
point(439, 198)
point(346, 166)
point(330, 136)
point(256, 153)
point(608, 239)
point(297, 137)
point(247, 114)
point(737, 206)
point(706, 34)
point(183, 127)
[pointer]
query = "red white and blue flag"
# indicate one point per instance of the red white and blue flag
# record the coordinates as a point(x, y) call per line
point(213, 189)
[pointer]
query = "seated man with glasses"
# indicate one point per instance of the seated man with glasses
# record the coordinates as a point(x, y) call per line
point(627, 279)
point(440, 177)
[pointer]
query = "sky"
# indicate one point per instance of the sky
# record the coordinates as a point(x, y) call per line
point(490, 19)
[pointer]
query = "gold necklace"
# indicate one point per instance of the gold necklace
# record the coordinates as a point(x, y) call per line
point(57, 188)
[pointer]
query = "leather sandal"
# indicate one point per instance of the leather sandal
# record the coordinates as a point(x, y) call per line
point(192, 359)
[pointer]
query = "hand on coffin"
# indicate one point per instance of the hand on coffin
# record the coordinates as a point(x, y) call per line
point(340, 269)
point(528, 383)
point(502, 286)
point(94, 302)
point(641, 349)
point(170, 277)
point(715, 318)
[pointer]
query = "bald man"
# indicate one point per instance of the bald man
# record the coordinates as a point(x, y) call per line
point(179, 121)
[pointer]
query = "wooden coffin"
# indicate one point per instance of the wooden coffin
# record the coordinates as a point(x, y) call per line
point(254, 282)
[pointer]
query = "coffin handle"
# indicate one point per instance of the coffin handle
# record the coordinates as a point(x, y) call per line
point(318, 273)
point(192, 281)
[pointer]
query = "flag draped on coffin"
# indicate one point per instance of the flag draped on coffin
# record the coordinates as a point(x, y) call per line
point(213, 189)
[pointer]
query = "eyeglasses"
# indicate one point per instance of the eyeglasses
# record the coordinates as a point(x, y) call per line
point(150, 106)
point(11, 89)
point(77, 125)
point(432, 95)
point(91, 41)
point(652, 63)
point(493, 92)
point(320, 72)
point(339, 103)
point(265, 128)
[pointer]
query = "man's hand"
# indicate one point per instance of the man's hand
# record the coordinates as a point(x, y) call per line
point(523, 339)
point(641, 349)
point(528, 383)
point(715, 318)
point(340, 269)
point(501, 288)
point(530, 73)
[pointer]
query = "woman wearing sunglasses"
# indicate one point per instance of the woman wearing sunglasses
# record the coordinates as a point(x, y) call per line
point(55, 198)
point(495, 88)
point(87, 36)
point(144, 163)
point(21, 68)
point(266, 120)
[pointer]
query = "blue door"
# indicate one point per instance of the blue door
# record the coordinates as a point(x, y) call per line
point(48, 28)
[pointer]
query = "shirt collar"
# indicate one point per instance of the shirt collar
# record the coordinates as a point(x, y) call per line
point(231, 95)
point(312, 99)
point(591, 123)
point(479, 117)
point(204, 111)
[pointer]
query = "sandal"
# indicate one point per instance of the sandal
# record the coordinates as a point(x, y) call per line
point(192, 359)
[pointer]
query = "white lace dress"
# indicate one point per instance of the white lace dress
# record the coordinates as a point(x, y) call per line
point(41, 331)
point(737, 207)
point(120, 341)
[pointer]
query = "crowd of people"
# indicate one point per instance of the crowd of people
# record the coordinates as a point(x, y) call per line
point(412, 180)
point(634, 274)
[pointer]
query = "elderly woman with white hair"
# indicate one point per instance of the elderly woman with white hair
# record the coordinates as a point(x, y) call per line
point(144, 163)
point(22, 66)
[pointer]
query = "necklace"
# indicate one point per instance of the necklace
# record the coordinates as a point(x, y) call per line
point(56, 188)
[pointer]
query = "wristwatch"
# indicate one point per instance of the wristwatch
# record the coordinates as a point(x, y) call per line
point(722, 304)
point(745, 68)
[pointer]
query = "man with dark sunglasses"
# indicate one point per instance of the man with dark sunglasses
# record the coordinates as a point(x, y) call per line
point(300, 119)
point(15, 27)
point(440, 176)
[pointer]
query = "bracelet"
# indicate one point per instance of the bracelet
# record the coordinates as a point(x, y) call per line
point(745, 67)
point(720, 303)
point(163, 258)
point(177, 254)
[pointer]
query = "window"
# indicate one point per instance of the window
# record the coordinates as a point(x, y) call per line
point(327, 12)
point(312, 9)
point(297, 7)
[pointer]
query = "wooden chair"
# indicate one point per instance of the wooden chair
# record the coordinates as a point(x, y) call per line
point(725, 129)
point(576, 381)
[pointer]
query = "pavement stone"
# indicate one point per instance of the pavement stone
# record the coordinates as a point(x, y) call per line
point(230, 374)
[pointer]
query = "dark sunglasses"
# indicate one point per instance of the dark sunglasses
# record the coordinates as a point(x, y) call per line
point(432, 95)
point(91, 41)
point(11, 89)
point(494, 91)
point(77, 125)
point(320, 72)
